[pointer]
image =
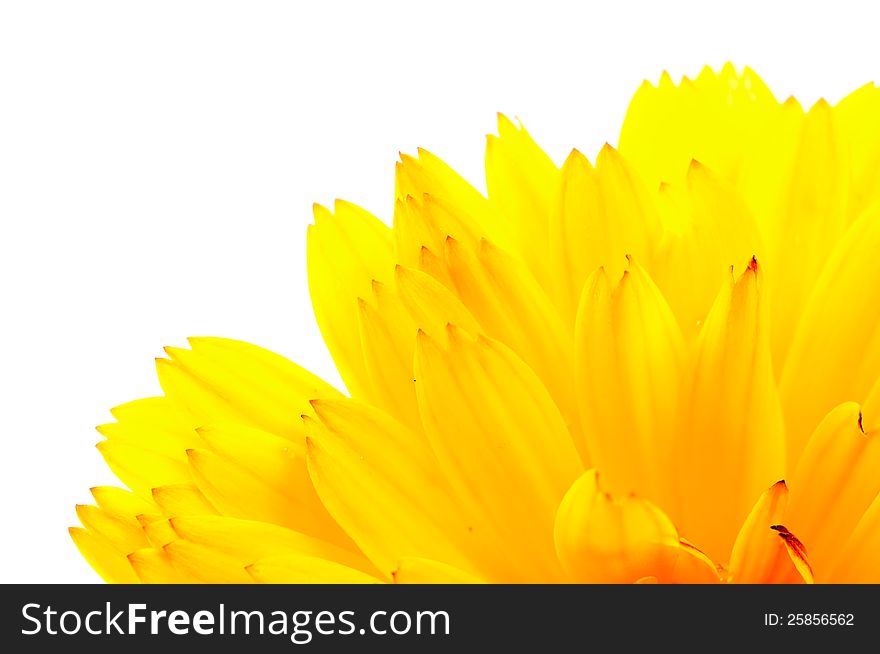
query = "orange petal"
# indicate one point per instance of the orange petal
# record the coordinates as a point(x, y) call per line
point(766, 552)
point(600, 539)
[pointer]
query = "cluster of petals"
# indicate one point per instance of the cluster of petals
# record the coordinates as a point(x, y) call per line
point(661, 366)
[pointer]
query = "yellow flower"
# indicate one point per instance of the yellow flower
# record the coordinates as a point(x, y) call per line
point(598, 373)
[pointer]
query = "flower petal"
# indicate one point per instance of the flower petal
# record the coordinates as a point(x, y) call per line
point(389, 321)
point(858, 562)
point(299, 569)
point(247, 541)
point(427, 175)
point(421, 226)
point(522, 183)
point(346, 251)
point(122, 534)
point(500, 440)
point(220, 380)
point(717, 118)
point(380, 481)
point(730, 442)
point(835, 353)
point(183, 499)
point(388, 337)
point(811, 220)
point(765, 551)
point(204, 564)
point(106, 560)
point(856, 118)
point(147, 446)
point(602, 215)
point(834, 483)
point(121, 503)
point(693, 567)
point(604, 540)
point(413, 570)
point(871, 409)
point(142, 469)
point(709, 229)
point(430, 304)
point(157, 529)
point(629, 358)
point(511, 307)
point(154, 566)
point(247, 473)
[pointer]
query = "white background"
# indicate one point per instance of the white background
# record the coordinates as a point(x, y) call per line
point(158, 161)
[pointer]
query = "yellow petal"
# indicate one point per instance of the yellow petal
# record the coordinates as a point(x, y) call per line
point(413, 233)
point(500, 440)
point(147, 446)
point(389, 320)
point(713, 230)
point(157, 529)
point(154, 566)
point(247, 541)
point(604, 540)
point(835, 353)
point(123, 534)
point(347, 250)
point(857, 562)
point(205, 565)
point(141, 469)
point(220, 380)
point(388, 337)
point(629, 358)
point(380, 481)
point(731, 123)
point(602, 215)
point(299, 569)
point(253, 475)
point(434, 204)
point(693, 567)
point(430, 304)
point(236, 492)
point(766, 170)
point(121, 503)
point(833, 484)
point(413, 570)
point(511, 307)
point(812, 219)
point(183, 499)
point(166, 426)
point(871, 409)
point(766, 552)
point(106, 560)
point(522, 183)
point(152, 410)
point(428, 175)
point(730, 440)
point(856, 118)
point(716, 118)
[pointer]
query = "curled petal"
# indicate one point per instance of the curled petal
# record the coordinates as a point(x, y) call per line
point(600, 539)
point(766, 552)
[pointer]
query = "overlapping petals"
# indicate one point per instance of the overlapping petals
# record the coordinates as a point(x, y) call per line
point(599, 372)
